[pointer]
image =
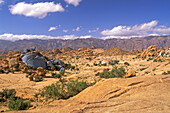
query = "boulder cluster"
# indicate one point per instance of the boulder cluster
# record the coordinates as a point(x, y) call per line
point(31, 62)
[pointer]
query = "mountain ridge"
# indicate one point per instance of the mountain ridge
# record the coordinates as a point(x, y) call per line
point(124, 44)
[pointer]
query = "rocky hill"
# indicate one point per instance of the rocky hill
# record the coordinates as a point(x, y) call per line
point(125, 44)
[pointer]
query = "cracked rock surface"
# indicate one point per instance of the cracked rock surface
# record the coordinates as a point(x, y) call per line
point(145, 94)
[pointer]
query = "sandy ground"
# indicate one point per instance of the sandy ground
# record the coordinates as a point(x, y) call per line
point(147, 92)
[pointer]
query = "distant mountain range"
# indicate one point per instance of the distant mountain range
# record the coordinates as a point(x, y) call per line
point(125, 44)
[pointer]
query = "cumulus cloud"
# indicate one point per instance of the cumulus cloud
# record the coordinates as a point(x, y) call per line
point(90, 31)
point(73, 2)
point(1, 1)
point(146, 29)
point(13, 37)
point(39, 10)
point(77, 29)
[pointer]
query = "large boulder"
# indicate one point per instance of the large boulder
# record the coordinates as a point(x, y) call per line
point(34, 59)
point(130, 73)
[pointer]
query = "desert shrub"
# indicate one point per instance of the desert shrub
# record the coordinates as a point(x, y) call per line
point(64, 89)
point(53, 68)
point(95, 64)
point(55, 91)
point(28, 72)
point(143, 68)
point(1, 71)
point(65, 65)
point(114, 73)
point(6, 94)
point(166, 73)
point(155, 60)
point(75, 87)
point(147, 72)
point(72, 67)
point(56, 75)
point(104, 64)
point(149, 59)
point(29, 67)
point(38, 78)
point(8, 70)
point(114, 62)
point(62, 72)
point(16, 66)
point(12, 71)
point(88, 65)
point(9, 93)
point(57, 67)
point(77, 69)
point(126, 63)
point(18, 104)
point(153, 69)
point(88, 59)
point(48, 68)
point(160, 60)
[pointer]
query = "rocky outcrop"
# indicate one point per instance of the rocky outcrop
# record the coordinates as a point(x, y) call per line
point(147, 94)
point(152, 51)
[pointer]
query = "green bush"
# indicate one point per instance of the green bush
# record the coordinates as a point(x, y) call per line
point(48, 68)
point(104, 64)
point(149, 59)
point(155, 60)
point(18, 104)
point(114, 73)
point(114, 62)
point(56, 75)
point(160, 60)
point(166, 73)
point(57, 67)
point(75, 87)
point(64, 89)
point(143, 68)
point(95, 64)
point(72, 67)
point(9, 93)
point(8, 70)
point(88, 65)
point(62, 72)
point(29, 67)
point(6, 94)
point(1, 71)
point(28, 72)
point(38, 78)
point(126, 63)
point(16, 66)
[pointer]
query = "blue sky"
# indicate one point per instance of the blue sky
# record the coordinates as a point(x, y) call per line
point(69, 19)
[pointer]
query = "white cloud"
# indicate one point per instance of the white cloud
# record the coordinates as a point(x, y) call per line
point(73, 2)
point(13, 37)
point(52, 28)
point(77, 29)
point(146, 29)
point(39, 10)
point(1, 1)
point(65, 31)
point(90, 31)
